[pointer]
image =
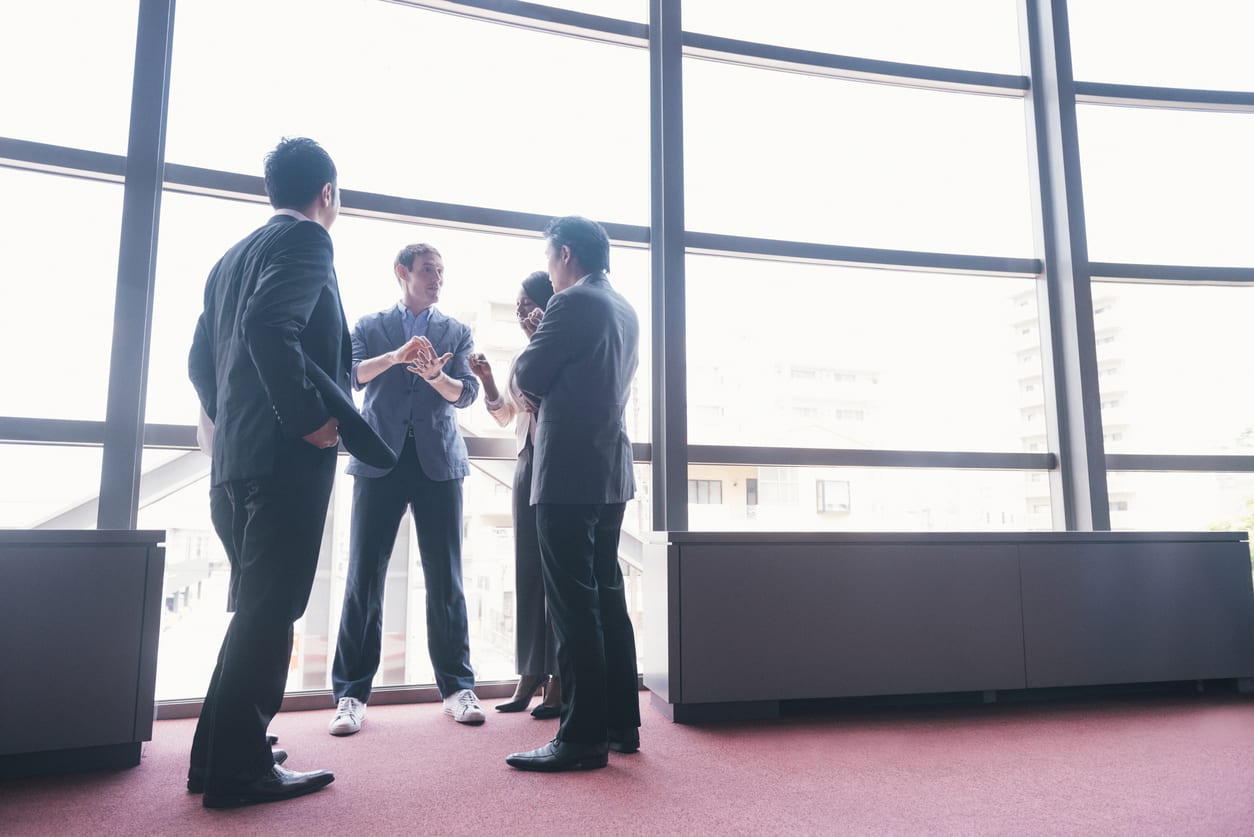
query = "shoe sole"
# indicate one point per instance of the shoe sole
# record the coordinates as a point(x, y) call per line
point(468, 722)
point(625, 749)
point(343, 732)
point(228, 800)
point(582, 764)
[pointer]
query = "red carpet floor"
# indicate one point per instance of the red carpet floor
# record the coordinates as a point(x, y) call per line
point(1177, 765)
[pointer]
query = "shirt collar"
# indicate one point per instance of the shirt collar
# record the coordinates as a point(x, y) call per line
point(582, 279)
point(292, 213)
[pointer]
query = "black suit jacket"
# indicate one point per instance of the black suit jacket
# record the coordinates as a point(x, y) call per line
point(579, 366)
point(272, 303)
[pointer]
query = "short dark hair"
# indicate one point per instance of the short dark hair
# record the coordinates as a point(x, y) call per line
point(296, 171)
point(412, 251)
point(538, 288)
point(586, 239)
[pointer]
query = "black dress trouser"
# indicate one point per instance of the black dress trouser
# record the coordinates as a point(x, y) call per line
point(596, 645)
point(536, 646)
point(278, 545)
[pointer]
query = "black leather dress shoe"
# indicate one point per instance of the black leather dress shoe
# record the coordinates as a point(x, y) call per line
point(557, 756)
point(625, 740)
point(272, 740)
point(276, 784)
point(196, 775)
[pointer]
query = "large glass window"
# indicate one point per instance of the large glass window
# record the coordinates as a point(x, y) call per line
point(967, 34)
point(61, 267)
point(836, 357)
point(1167, 186)
point(1163, 43)
point(805, 158)
point(1174, 369)
point(768, 499)
point(416, 103)
point(67, 69)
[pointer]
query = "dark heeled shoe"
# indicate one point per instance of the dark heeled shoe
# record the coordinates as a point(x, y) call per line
point(526, 689)
point(551, 707)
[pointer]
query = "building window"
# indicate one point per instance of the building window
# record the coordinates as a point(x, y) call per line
point(832, 495)
point(1118, 505)
point(705, 492)
point(751, 491)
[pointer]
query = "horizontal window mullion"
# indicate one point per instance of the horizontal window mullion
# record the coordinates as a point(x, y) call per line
point(1172, 274)
point(1178, 462)
point(767, 56)
point(846, 458)
point(810, 252)
point(1175, 98)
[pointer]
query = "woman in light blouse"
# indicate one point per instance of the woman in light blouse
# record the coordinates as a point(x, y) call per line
point(536, 660)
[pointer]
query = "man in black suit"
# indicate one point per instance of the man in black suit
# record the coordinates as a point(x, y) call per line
point(578, 367)
point(272, 318)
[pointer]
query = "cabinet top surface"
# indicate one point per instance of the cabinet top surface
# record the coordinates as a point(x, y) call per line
point(953, 537)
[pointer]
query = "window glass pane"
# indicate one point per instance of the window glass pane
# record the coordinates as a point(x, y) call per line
point(873, 500)
point(1167, 187)
point(1174, 368)
point(837, 357)
point(67, 67)
point(1163, 43)
point(61, 264)
point(1167, 502)
point(48, 486)
point(839, 162)
point(965, 34)
point(483, 273)
point(417, 103)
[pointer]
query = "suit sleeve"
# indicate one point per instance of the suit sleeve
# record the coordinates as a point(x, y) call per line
point(360, 352)
point(550, 348)
point(459, 368)
point(297, 273)
point(200, 368)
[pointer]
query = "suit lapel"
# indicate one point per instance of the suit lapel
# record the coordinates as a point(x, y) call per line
point(437, 327)
point(394, 327)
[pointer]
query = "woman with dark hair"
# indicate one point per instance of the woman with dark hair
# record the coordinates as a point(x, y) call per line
point(536, 660)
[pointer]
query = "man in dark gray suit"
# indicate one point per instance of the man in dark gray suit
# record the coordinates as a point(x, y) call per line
point(578, 367)
point(413, 362)
point(272, 312)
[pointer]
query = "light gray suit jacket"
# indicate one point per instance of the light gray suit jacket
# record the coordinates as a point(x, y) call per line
point(397, 399)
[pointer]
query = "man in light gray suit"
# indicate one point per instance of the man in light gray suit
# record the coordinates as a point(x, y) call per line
point(413, 362)
point(578, 367)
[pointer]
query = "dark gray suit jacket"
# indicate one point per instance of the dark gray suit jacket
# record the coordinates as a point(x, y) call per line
point(271, 303)
point(579, 366)
point(397, 399)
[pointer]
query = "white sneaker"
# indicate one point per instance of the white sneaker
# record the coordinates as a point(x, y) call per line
point(348, 717)
point(464, 707)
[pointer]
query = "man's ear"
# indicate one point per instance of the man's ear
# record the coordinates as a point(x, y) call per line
point(400, 276)
point(328, 194)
